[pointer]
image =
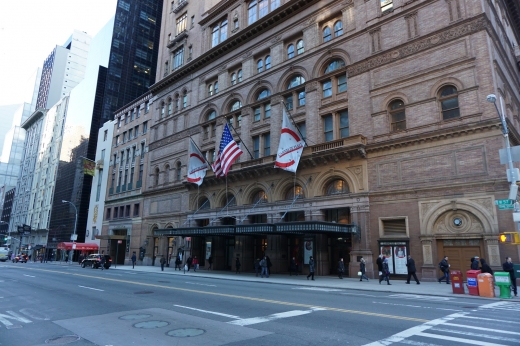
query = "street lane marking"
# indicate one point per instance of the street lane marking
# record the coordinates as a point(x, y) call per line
point(478, 335)
point(194, 283)
point(29, 276)
point(490, 319)
point(416, 306)
point(357, 312)
point(502, 306)
point(451, 338)
point(481, 328)
point(419, 297)
point(90, 288)
point(207, 311)
point(273, 317)
point(12, 316)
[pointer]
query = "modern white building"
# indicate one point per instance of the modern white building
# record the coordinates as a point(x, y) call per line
point(99, 183)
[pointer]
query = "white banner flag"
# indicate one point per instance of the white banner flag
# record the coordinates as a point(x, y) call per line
point(197, 165)
point(290, 148)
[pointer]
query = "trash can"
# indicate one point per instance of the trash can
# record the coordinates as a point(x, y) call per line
point(486, 285)
point(472, 282)
point(456, 281)
point(503, 281)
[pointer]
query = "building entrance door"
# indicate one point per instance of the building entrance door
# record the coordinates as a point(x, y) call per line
point(459, 253)
point(340, 248)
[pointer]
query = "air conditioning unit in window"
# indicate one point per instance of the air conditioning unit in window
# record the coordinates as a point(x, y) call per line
point(99, 164)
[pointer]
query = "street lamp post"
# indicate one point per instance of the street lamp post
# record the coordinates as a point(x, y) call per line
point(512, 174)
point(75, 223)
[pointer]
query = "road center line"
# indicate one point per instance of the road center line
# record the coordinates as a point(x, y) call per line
point(255, 320)
point(90, 288)
point(207, 311)
point(232, 296)
point(31, 276)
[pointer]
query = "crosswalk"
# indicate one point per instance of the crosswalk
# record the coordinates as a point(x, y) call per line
point(488, 325)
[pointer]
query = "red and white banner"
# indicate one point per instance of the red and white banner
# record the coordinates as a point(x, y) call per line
point(290, 148)
point(197, 165)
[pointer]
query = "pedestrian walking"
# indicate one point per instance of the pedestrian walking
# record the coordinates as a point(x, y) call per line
point(195, 263)
point(134, 259)
point(293, 268)
point(509, 267)
point(178, 262)
point(341, 268)
point(237, 266)
point(189, 262)
point(484, 267)
point(410, 264)
point(163, 262)
point(269, 265)
point(474, 263)
point(263, 265)
point(385, 276)
point(210, 261)
point(311, 268)
point(444, 267)
point(362, 269)
point(379, 263)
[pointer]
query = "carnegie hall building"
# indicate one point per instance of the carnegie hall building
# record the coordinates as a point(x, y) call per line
point(401, 152)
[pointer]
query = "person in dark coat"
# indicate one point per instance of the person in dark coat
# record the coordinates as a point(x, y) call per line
point(485, 268)
point(178, 262)
point(134, 259)
point(237, 266)
point(508, 267)
point(474, 263)
point(293, 268)
point(269, 265)
point(189, 261)
point(163, 262)
point(410, 264)
point(257, 266)
point(210, 261)
point(379, 263)
point(444, 267)
point(386, 272)
point(362, 269)
point(341, 268)
point(264, 266)
point(311, 268)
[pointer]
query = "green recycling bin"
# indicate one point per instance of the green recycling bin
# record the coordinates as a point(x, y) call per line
point(503, 281)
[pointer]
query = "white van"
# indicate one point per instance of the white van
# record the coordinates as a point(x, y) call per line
point(4, 254)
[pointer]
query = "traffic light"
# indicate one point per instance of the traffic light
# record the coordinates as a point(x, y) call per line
point(511, 238)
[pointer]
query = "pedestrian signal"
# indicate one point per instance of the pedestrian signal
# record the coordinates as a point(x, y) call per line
point(509, 238)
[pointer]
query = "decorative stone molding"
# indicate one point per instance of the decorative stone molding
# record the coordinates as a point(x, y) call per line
point(460, 30)
point(247, 55)
point(311, 86)
point(222, 68)
point(276, 39)
point(427, 251)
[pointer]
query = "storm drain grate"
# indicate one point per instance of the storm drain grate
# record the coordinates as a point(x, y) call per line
point(62, 340)
point(185, 332)
point(143, 292)
point(151, 324)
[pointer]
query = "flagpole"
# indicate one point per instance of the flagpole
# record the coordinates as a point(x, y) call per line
point(241, 141)
point(195, 144)
point(294, 123)
point(86, 158)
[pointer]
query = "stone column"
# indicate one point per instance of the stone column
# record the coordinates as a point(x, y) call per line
point(428, 270)
point(349, 22)
point(492, 251)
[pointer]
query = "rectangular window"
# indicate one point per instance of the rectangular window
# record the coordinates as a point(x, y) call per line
point(327, 88)
point(103, 154)
point(119, 122)
point(107, 217)
point(342, 83)
point(140, 172)
point(119, 179)
point(301, 98)
point(267, 144)
point(132, 115)
point(256, 147)
point(289, 102)
point(99, 178)
point(263, 8)
point(182, 22)
point(113, 180)
point(146, 107)
point(328, 128)
point(145, 127)
point(115, 216)
point(131, 175)
point(343, 124)
point(184, 101)
point(126, 177)
point(136, 209)
point(133, 154)
point(267, 110)
point(257, 114)
point(126, 118)
point(252, 12)
point(303, 130)
point(117, 140)
point(386, 5)
point(130, 134)
point(142, 150)
point(136, 131)
point(178, 58)
point(127, 211)
point(124, 137)
point(105, 135)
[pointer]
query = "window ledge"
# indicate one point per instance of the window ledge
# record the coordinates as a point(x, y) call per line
point(182, 35)
point(181, 5)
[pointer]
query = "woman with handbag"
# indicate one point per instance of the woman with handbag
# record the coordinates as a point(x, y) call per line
point(362, 269)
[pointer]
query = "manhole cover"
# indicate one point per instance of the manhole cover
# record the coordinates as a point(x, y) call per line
point(166, 282)
point(61, 340)
point(151, 324)
point(144, 292)
point(135, 317)
point(185, 332)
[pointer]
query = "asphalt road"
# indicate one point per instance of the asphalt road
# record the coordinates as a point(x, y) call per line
point(42, 304)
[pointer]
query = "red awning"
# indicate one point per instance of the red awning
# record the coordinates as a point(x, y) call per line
point(79, 246)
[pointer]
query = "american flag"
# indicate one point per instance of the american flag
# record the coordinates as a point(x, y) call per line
point(228, 152)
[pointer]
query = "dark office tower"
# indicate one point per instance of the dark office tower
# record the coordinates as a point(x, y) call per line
point(133, 55)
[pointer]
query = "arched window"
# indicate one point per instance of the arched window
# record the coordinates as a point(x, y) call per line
point(211, 115)
point(162, 110)
point(167, 174)
point(259, 65)
point(449, 99)
point(185, 99)
point(210, 90)
point(336, 187)
point(156, 177)
point(259, 197)
point(263, 94)
point(300, 47)
point(216, 87)
point(290, 51)
point(178, 171)
point(397, 115)
point(170, 106)
point(334, 65)
point(326, 34)
point(235, 105)
point(229, 199)
point(338, 28)
point(297, 80)
point(204, 203)
point(233, 78)
point(268, 62)
point(239, 76)
point(293, 191)
point(177, 102)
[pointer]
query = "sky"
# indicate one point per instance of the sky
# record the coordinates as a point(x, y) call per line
point(30, 29)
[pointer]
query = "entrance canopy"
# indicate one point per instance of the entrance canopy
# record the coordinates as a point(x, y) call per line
point(304, 227)
point(79, 246)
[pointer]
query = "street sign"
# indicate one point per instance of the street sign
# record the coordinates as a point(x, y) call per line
point(504, 202)
point(506, 206)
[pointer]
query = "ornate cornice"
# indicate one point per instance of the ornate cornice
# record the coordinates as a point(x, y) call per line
point(461, 29)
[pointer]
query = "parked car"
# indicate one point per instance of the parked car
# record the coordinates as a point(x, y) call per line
point(22, 258)
point(94, 261)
